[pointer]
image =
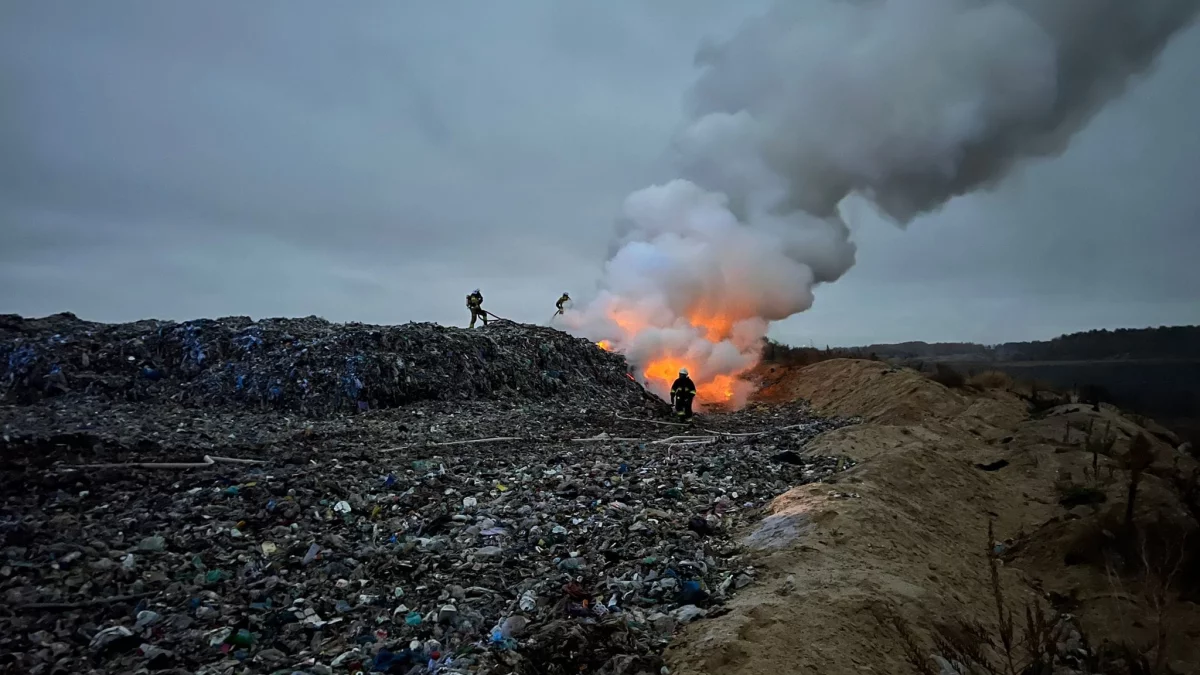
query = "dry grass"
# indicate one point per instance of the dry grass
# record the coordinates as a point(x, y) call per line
point(991, 379)
point(1009, 648)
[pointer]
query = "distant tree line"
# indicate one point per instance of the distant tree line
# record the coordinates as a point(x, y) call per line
point(1164, 342)
point(779, 353)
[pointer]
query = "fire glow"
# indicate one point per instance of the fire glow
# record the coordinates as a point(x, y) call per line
point(692, 287)
point(663, 371)
point(661, 365)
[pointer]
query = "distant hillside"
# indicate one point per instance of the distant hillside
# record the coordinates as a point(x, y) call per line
point(1164, 342)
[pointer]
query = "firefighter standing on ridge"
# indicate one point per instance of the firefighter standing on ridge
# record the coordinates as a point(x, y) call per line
point(475, 304)
point(562, 302)
point(682, 393)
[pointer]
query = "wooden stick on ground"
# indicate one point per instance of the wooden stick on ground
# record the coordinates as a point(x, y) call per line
point(208, 461)
point(434, 444)
point(727, 433)
point(234, 460)
point(757, 433)
point(479, 440)
point(676, 439)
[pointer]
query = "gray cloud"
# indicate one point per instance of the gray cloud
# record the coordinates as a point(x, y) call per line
point(184, 159)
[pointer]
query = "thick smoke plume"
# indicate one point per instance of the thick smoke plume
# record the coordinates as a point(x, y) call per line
point(906, 103)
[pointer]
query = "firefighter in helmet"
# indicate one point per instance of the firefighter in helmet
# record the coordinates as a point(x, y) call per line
point(475, 304)
point(682, 393)
point(562, 303)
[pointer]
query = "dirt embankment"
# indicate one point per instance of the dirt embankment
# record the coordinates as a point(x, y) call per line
point(904, 534)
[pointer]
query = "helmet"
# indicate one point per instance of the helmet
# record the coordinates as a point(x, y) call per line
point(683, 371)
point(565, 295)
point(475, 292)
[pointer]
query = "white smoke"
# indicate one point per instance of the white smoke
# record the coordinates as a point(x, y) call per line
point(684, 256)
point(907, 103)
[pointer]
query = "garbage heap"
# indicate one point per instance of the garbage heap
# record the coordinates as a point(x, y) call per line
point(306, 365)
point(522, 512)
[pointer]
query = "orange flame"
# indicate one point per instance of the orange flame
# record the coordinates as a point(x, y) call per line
point(716, 327)
point(663, 371)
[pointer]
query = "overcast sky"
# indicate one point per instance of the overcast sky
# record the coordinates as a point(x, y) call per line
point(291, 157)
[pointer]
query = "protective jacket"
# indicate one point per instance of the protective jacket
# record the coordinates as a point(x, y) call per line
point(683, 388)
point(562, 301)
point(475, 304)
point(682, 393)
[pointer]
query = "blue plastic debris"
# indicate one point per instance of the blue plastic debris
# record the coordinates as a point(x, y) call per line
point(387, 661)
point(21, 358)
point(248, 339)
point(193, 349)
point(351, 382)
point(311, 555)
point(691, 593)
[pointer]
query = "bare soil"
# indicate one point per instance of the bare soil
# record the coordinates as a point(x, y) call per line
point(904, 533)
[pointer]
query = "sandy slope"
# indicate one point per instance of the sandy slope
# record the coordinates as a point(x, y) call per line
point(905, 532)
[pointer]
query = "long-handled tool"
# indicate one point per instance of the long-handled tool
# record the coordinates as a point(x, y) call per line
point(498, 318)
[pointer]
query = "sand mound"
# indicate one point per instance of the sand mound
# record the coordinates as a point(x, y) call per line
point(884, 394)
point(904, 534)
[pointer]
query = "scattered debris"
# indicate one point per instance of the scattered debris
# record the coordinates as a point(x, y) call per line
point(529, 553)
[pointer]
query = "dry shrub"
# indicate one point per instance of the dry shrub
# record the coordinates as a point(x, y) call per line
point(991, 379)
point(973, 648)
point(947, 376)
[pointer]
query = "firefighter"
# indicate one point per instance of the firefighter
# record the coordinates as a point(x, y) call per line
point(682, 393)
point(562, 303)
point(475, 304)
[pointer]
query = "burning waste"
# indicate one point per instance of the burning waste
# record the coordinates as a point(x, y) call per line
point(818, 102)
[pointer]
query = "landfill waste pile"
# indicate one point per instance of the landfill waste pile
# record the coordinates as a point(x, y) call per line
point(307, 365)
point(457, 533)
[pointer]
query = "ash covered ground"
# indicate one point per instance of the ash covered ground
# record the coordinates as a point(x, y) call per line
point(361, 530)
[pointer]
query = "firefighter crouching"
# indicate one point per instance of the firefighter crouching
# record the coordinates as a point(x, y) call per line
point(682, 393)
